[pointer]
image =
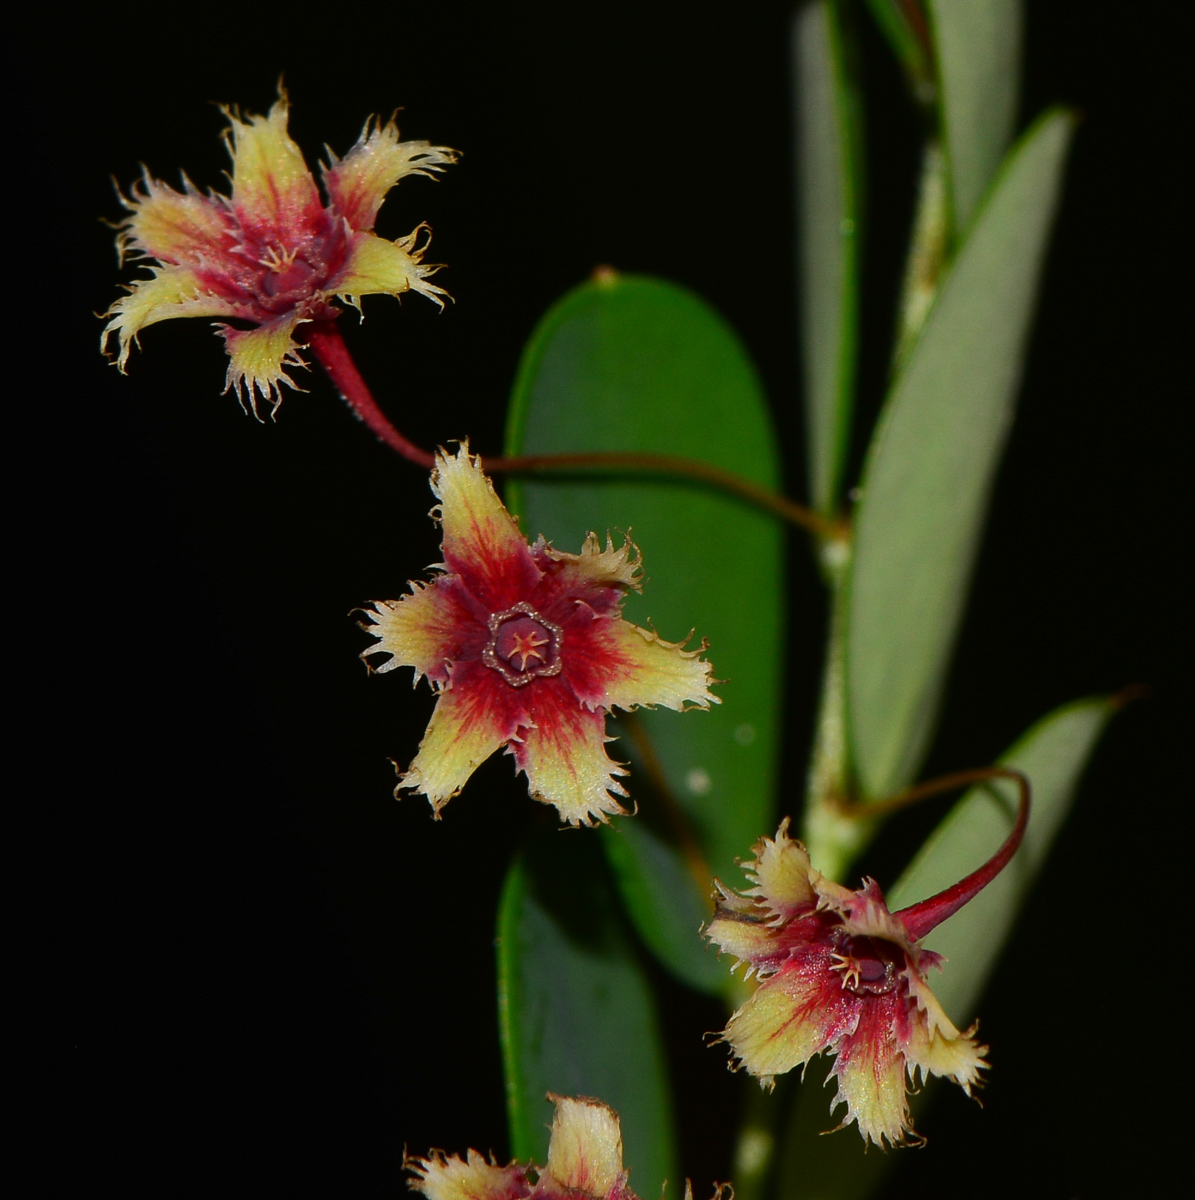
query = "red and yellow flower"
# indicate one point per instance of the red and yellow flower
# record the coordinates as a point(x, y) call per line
point(527, 649)
point(841, 974)
point(584, 1163)
point(274, 255)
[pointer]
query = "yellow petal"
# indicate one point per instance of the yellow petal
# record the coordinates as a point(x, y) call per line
point(651, 671)
point(872, 1085)
point(481, 541)
point(257, 358)
point(461, 735)
point(585, 1151)
point(172, 292)
point(564, 757)
point(175, 227)
point(777, 1030)
point(621, 567)
point(447, 1177)
point(781, 873)
point(422, 630)
point(936, 1046)
point(378, 266)
point(746, 939)
point(271, 185)
point(357, 184)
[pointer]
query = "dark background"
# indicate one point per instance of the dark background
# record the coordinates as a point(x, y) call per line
point(247, 968)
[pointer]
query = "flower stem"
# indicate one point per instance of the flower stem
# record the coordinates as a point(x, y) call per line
point(333, 355)
point(920, 918)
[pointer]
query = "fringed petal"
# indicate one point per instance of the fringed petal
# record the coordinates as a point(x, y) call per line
point(600, 578)
point(749, 940)
point(180, 228)
point(482, 543)
point(564, 758)
point(256, 361)
point(788, 1020)
point(617, 663)
point(447, 1177)
point(871, 1076)
point(358, 183)
point(273, 192)
point(781, 875)
point(375, 265)
point(469, 723)
point(172, 292)
point(585, 1150)
point(427, 630)
point(935, 1046)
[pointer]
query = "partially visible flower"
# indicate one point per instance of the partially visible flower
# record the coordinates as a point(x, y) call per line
point(527, 649)
point(841, 974)
point(584, 1163)
point(273, 255)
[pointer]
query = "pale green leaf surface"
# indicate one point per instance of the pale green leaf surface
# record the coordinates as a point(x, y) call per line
point(1053, 754)
point(978, 47)
point(828, 202)
point(638, 364)
point(576, 1013)
point(932, 462)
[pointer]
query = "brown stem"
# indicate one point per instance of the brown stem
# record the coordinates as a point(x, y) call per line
point(681, 828)
point(332, 354)
point(928, 789)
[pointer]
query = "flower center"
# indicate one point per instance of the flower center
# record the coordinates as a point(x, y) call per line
point(869, 965)
point(523, 645)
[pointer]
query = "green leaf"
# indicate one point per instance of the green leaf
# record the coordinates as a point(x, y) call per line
point(829, 196)
point(903, 25)
point(576, 1013)
point(637, 364)
point(932, 461)
point(1053, 755)
point(978, 46)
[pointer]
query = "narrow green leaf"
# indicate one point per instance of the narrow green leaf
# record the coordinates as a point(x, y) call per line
point(829, 187)
point(932, 461)
point(903, 25)
point(978, 47)
point(636, 364)
point(1053, 755)
point(576, 1013)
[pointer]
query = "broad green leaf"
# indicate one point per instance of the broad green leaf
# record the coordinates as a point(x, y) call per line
point(1053, 755)
point(978, 47)
point(829, 197)
point(932, 461)
point(636, 364)
point(576, 1013)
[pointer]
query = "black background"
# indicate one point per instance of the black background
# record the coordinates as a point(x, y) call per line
point(247, 968)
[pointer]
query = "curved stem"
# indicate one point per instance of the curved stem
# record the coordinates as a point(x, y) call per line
point(333, 355)
point(920, 918)
point(327, 345)
point(671, 464)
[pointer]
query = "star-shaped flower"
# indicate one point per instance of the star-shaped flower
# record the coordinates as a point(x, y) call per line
point(527, 649)
point(273, 255)
point(840, 974)
point(584, 1163)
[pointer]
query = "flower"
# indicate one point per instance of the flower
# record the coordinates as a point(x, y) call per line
point(584, 1163)
point(839, 973)
point(272, 254)
point(527, 649)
